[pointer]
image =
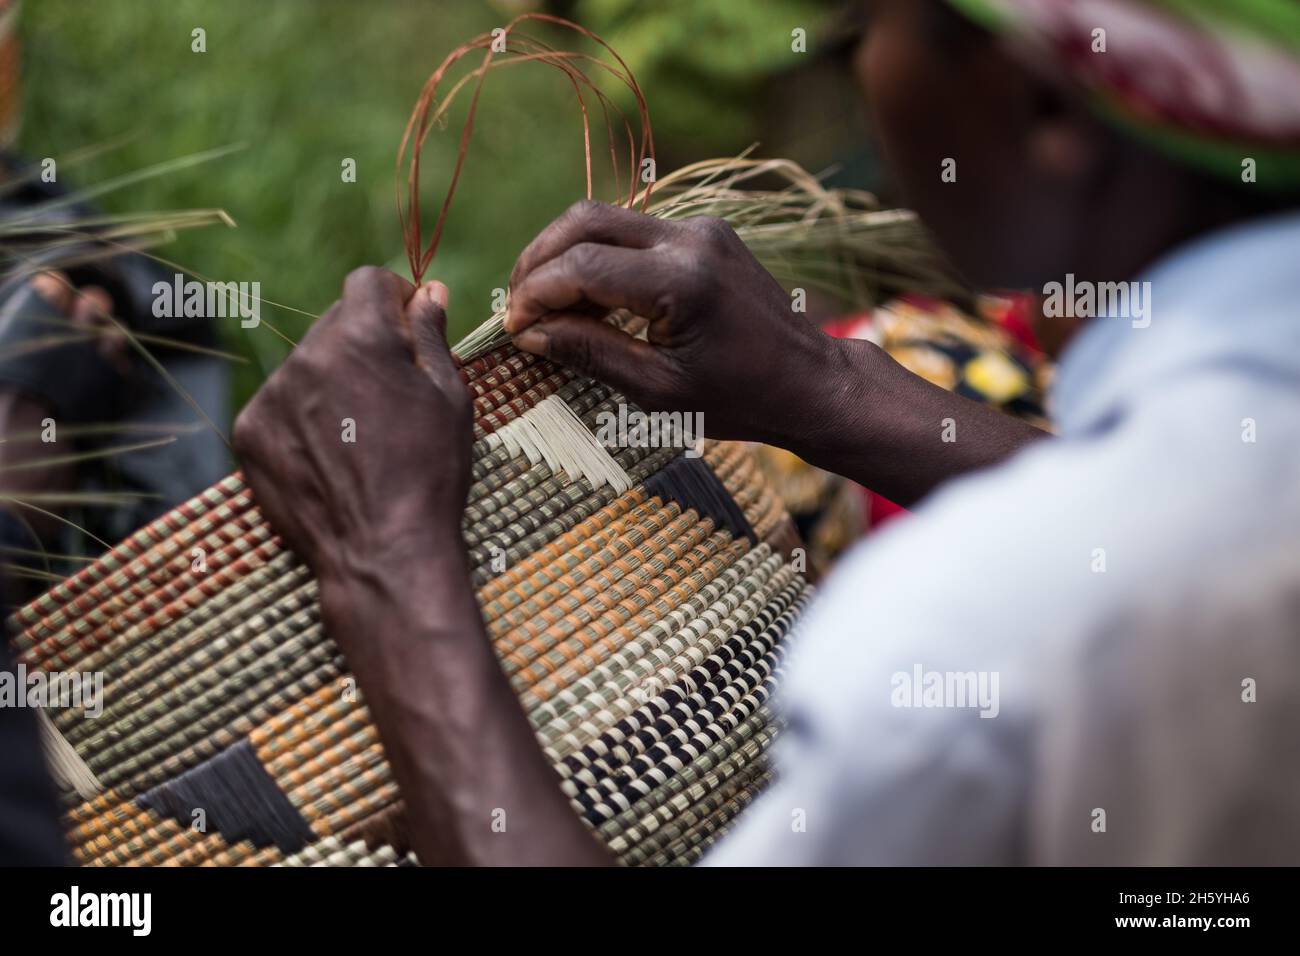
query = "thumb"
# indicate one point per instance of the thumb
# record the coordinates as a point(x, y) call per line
point(426, 315)
point(601, 351)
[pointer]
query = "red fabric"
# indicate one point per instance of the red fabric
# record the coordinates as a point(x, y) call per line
point(1014, 320)
point(880, 509)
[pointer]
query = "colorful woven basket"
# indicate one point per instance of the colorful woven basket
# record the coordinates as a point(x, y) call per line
point(639, 601)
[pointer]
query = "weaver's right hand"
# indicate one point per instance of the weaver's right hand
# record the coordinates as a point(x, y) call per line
point(722, 338)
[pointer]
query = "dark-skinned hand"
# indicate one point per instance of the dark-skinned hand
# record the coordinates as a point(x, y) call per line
point(723, 340)
point(722, 337)
point(340, 504)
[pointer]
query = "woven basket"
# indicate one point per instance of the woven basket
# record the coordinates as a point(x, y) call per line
point(639, 601)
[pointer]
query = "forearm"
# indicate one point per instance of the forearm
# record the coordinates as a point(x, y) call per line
point(864, 416)
point(476, 786)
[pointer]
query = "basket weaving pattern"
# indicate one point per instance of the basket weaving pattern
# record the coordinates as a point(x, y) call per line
point(639, 600)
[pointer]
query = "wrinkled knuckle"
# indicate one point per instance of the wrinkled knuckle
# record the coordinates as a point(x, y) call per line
point(714, 232)
point(581, 259)
point(692, 275)
point(581, 217)
point(584, 210)
point(304, 364)
point(365, 277)
point(354, 336)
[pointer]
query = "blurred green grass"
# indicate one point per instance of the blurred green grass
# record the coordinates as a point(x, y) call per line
point(303, 84)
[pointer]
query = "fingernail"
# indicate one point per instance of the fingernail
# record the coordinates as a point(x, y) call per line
point(437, 293)
point(49, 288)
point(532, 340)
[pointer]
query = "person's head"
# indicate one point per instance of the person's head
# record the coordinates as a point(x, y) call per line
point(999, 143)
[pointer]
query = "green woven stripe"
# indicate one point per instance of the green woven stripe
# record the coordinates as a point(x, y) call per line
point(704, 801)
point(268, 664)
point(689, 849)
point(172, 655)
point(225, 714)
point(216, 666)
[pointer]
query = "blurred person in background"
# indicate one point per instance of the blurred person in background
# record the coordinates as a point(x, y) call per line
point(75, 401)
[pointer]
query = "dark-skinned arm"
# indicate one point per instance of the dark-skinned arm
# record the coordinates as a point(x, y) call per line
point(868, 418)
point(378, 522)
point(722, 340)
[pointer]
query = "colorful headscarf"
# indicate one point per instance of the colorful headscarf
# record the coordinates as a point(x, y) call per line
point(1216, 83)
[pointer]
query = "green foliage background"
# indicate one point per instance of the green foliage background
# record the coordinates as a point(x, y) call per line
point(304, 84)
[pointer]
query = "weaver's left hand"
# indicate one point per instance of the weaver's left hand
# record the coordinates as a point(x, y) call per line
point(357, 453)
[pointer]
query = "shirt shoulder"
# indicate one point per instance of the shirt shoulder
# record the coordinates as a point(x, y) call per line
point(918, 679)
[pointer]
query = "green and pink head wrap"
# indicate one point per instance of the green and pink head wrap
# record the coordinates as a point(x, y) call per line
point(1214, 82)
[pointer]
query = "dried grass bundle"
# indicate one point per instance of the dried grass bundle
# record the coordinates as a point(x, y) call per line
point(839, 242)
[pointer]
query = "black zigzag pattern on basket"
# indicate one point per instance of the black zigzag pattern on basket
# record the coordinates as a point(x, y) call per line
point(692, 484)
point(238, 798)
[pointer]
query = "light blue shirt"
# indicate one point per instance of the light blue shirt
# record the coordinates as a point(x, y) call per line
point(1115, 592)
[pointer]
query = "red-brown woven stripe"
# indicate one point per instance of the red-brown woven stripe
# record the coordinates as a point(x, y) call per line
point(158, 541)
point(510, 388)
point(162, 594)
point(509, 410)
point(508, 368)
point(475, 369)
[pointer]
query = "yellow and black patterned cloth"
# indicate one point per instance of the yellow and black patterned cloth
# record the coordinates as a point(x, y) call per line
point(981, 357)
